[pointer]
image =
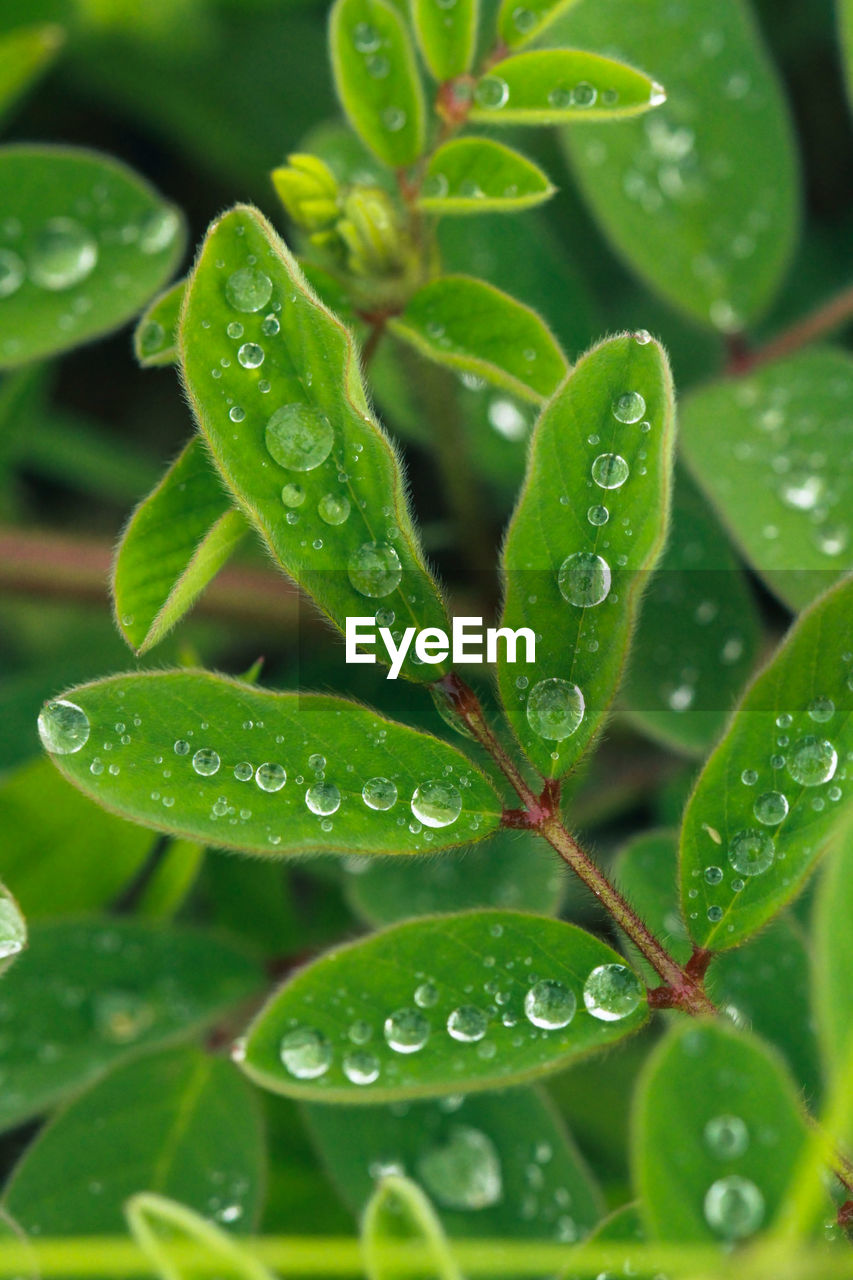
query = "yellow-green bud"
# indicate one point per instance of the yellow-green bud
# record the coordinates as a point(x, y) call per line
point(307, 188)
point(371, 232)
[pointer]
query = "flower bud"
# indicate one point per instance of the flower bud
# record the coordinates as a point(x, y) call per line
point(371, 232)
point(307, 188)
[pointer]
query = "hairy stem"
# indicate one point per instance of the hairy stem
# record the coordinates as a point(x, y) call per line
point(815, 325)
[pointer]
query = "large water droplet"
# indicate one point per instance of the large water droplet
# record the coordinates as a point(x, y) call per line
point(334, 508)
point(306, 1053)
point(323, 798)
point(751, 852)
point(550, 1004)
point(436, 803)
point(270, 777)
point(374, 569)
point(63, 727)
point(465, 1173)
point(611, 992)
point(555, 709)
point(734, 1207)
point(248, 289)
point(406, 1030)
point(360, 1067)
point(812, 761)
point(157, 230)
point(726, 1137)
point(250, 355)
point(206, 762)
point(492, 93)
point(467, 1023)
point(770, 808)
point(610, 470)
point(584, 579)
point(630, 406)
point(299, 437)
point(379, 793)
point(63, 254)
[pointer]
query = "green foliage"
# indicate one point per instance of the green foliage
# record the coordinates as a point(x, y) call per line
point(833, 945)
point(478, 175)
point(554, 86)
point(25, 53)
point(155, 338)
point(399, 1211)
point(161, 1226)
point(447, 35)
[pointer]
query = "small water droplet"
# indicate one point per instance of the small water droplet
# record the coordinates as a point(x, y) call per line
point(243, 771)
point(299, 437)
point(63, 254)
point(770, 808)
point(584, 579)
point(726, 1137)
point(821, 710)
point(323, 798)
point(361, 1067)
point(379, 793)
point(734, 1207)
point(465, 1173)
point(63, 727)
point(598, 515)
point(630, 406)
point(426, 995)
point(248, 289)
point(206, 762)
point(611, 992)
point(374, 569)
point(293, 495)
point(812, 761)
point(12, 272)
point(751, 852)
point(250, 355)
point(334, 508)
point(491, 93)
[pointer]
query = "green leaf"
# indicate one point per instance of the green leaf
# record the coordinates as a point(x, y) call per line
point(519, 24)
point(13, 929)
point(718, 1131)
point(179, 1122)
point(752, 443)
point(477, 175)
point(554, 86)
point(86, 995)
point(399, 1212)
point(67, 855)
point(832, 932)
point(512, 870)
point(158, 1224)
point(176, 541)
point(698, 634)
point(473, 1156)
point(770, 800)
point(74, 224)
point(432, 985)
point(447, 35)
point(845, 36)
point(155, 338)
point(207, 749)
point(706, 220)
point(377, 78)
point(469, 325)
point(597, 487)
point(25, 53)
point(169, 884)
point(309, 389)
point(18, 1252)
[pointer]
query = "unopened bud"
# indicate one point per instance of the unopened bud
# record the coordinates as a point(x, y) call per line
point(307, 188)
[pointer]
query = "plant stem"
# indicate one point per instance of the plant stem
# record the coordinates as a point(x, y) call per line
point(816, 324)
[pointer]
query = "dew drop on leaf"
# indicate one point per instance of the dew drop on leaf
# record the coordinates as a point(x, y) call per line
point(812, 761)
point(379, 793)
point(726, 1136)
point(12, 272)
point(63, 254)
point(491, 93)
point(306, 1053)
point(436, 803)
point(770, 808)
point(374, 569)
point(299, 437)
point(550, 1005)
point(206, 762)
point(598, 515)
point(63, 727)
point(406, 1030)
point(630, 406)
point(250, 355)
point(334, 508)
point(610, 471)
point(734, 1207)
point(751, 852)
point(323, 798)
point(584, 579)
point(611, 992)
point(243, 771)
point(555, 709)
point(157, 230)
point(464, 1173)
point(361, 1067)
point(467, 1024)
point(426, 995)
point(293, 495)
point(270, 776)
point(248, 289)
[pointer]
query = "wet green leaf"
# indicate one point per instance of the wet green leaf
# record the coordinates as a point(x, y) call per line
point(13, 929)
point(377, 78)
point(478, 175)
point(177, 1122)
point(155, 338)
point(74, 223)
point(398, 1212)
point(441, 1004)
point(833, 945)
point(704, 218)
point(228, 764)
point(589, 525)
point(159, 1224)
point(718, 1131)
point(698, 634)
point(554, 86)
point(327, 494)
point(469, 325)
point(520, 23)
point(447, 35)
point(771, 450)
point(473, 1157)
point(25, 53)
point(772, 797)
point(86, 995)
point(176, 541)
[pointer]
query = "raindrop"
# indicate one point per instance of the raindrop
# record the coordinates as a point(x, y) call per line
point(379, 793)
point(426, 995)
point(323, 798)
point(333, 508)
point(63, 727)
point(394, 118)
point(611, 992)
point(406, 1031)
point(243, 771)
point(550, 1004)
point(630, 406)
point(365, 37)
point(812, 761)
point(726, 1137)
point(436, 803)
point(610, 471)
point(158, 229)
point(12, 271)
point(206, 762)
point(360, 1067)
point(751, 852)
point(306, 1053)
point(713, 875)
point(770, 808)
point(270, 777)
point(821, 710)
point(584, 579)
point(299, 437)
point(465, 1173)
point(63, 254)
point(248, 289)
point(734, 1207)
point(182, 747)
point(598, 515)
point(749, 777)
point(293, 495)
point(467, 1023)
point(523, 19)
point(374, 569)
point(491, 93)
point(555, 709)
point(250, 355)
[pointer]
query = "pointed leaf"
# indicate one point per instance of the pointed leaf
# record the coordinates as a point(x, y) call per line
point(519, 24)
point(155, 338)
point(428, 986)
point(398, 1212)
point(833, 944)
point(176, 541)
point(206, 749)
point(98, 993)
point(447, 35)
point(306, 397)
point(75, 223)
point(752, 443)
point(469, 325)
point(477, 175)
point(772, 797)
point(597, 488)
point(159, 1224)
point(178, 1122)
point(718, 1131)
point(377, 78)
point(13, 929)
point(703, 218)
point(555, 86)
point(25, 53)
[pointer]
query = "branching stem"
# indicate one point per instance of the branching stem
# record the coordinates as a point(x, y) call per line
point(828, 316)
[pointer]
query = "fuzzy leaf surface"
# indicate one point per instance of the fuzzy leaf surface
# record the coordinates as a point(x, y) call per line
point(479, 175)
point(519, 24)
point(447, 35)
point(155, 338)
point(555, 86)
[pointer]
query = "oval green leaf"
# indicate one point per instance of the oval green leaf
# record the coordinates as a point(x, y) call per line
point(377, 78)
point(176, 541)
point(706, 220)
point(718, 1131)
point(25, 53)
point(554, 86)
point(155, 338)
point(84, 244)
point(771, 450)
point(423, 999)
point(471, 326)
point(477, 175)
point(774, 794)
point(398, 1212)
point(228, 764)
point(329, 500)
point(597, 488)
point(159, 1224)
point(521, 23)
point(446, 34)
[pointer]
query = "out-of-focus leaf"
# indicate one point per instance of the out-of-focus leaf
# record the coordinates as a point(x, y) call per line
point(447, 35)
point(171, 880)
point(554, 86)
point(478, 175)
point(519, 24)
point(833, 944)
point(25, 53)
point(155, 338)
point(159, 1224)
point(399, 1212)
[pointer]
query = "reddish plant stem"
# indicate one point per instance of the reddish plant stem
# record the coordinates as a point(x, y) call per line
point(816, 324)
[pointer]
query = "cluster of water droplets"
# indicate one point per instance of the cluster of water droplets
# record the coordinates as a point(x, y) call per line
point(493, 94)
point(376, 53)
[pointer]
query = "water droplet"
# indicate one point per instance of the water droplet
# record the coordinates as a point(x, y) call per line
point(821, 710)
point(610, 471)
point(713, 875)
point(206, 762)
point(365, 37)
point(726, 1137)
point(749, 777)
point(555, 709)
point(734, 1207)
point(360, 1067)
point(523, 20)
point(643, 337)
point(465, 1173)
point(360, 1032)
point(436, 803)
point(157, 230)
point(334, 508)
point(584, 579)
point(270, 777)
point(12, 272)
point(406, 1030)
point(426, 995)
point(491, 93)
point(374, 569)
point(182, 747)
point(299, 437)
point(770, 808)
point(250, 355)
point(394, 118)
point(316, 761)
point(630, 406)
point(467, 1023)
point(236, 413)
point(63, 254)
point(293, 495)
point(63, 727)
point(379, 793)
point(306, 1053)
point(550, 1004)
point(323, 798)
point(248, 289)
point(751, 852)
point(243, 771)
point(813, 761)
point(598, 515)
point(611, 992)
